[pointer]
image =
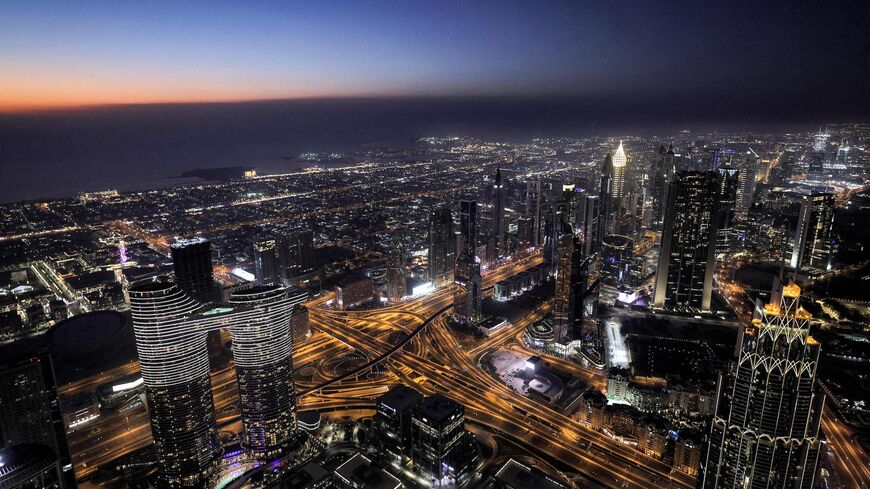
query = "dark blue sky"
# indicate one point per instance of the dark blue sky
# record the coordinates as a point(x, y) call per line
point(686, 53)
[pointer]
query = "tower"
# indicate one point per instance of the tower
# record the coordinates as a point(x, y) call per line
point(442, 247)
point(296, 255)
point(563, 299)
point(533, 209)
point(396, 282)
point(468, 295)
point(817, 157)
point(498, 223)
point(31, 420)
point(606, 200)
point(266, 261)
point(191, 262)
point(727, 194)
point(685, 270)
point(170, 329)
point(766, 433)
point(813, 245)
point(618, 165)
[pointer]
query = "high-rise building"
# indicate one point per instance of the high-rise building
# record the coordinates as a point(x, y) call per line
point(440, 445)
point(170, 329)
point(397, 286)
point(813, 244)
point(533, 209)
point(392, 421)
point(616, 253)
point(606, 201)
point(442, 247)
point(191, 262)
point(296, 255)
point(818, 156)
point(685, 271)
point(659, 180)
point(468, 226)
point(266, 261)
point(766, 430)
point(727, 194)
point(563, 298)
point(618, 165)
point(747, 178)
point(31, 424)
point(498, 222)
point(468, 295)
point(589, 230)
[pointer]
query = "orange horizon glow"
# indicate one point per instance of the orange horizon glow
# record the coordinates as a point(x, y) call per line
point(62, 102)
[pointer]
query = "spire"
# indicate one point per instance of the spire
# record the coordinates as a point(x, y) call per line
point(619, 158)
point(498, 173)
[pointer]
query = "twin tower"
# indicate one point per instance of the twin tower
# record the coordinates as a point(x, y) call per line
point(171, 329)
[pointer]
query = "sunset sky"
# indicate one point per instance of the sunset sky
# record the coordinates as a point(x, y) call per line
point(69, 53)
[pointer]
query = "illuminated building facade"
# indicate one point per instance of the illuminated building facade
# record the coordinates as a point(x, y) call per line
point(266, 261)
point(170, 329)
point(392, 421)
point(728, 184)
point(469, 294)
point(440, 446)
point(605, 201)
point(814, 245)
point(533, 209)
point(618, 166)
point(397, 285)
point(766, 432)
point(31, 424)
point(685, 269)
point(563, 299)
point(498, 222)
point(191, 262)
point(616, 253)
point(442, 247)
point(296, 255)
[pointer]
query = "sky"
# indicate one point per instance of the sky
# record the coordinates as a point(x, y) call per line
point(767, 55)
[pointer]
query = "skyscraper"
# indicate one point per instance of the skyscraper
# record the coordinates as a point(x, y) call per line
point(266, 261)
point(606, 201)
point(813, 244)
point(817, 157)
point(468, 295)
point(296, 255)
point(747, 177)
point(442, 247)
point(30, 415)
point(591, 223)
point(439, 443)
point(618, 165)
point(191, 262)
point(396, 281)
point(468, 226)
point(533, 208)
point(685, 271)
point(175, 370)
point(170, 329)
point(498, 222)
point(563, 299)
point(616, 253)
point(766, 433)
point(659, 180)
point(727, 194)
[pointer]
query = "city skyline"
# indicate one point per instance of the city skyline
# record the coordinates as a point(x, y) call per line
point(434, 245)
